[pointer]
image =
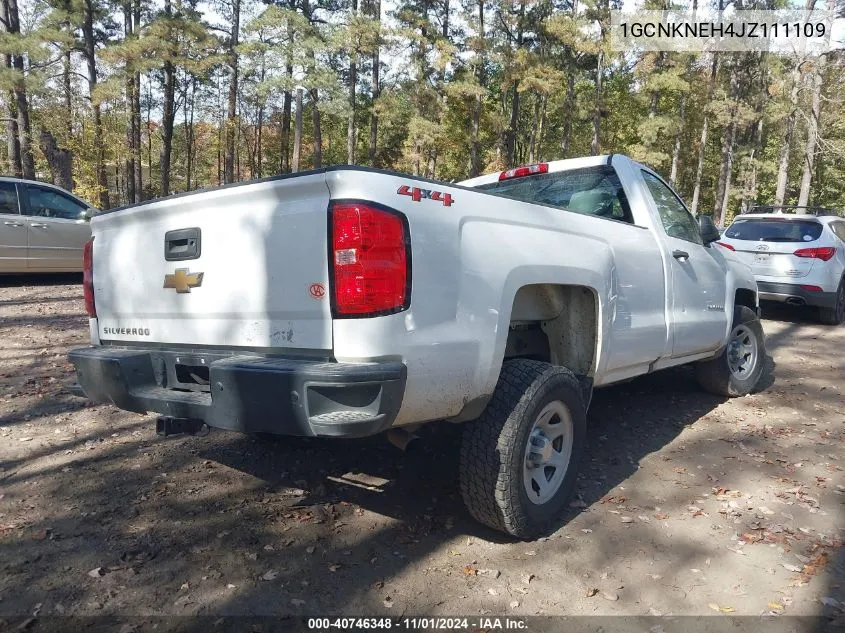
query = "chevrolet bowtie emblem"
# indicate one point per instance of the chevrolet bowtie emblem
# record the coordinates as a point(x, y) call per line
point(183, 280)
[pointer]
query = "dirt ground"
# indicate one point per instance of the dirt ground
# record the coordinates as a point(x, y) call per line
point(687, 504)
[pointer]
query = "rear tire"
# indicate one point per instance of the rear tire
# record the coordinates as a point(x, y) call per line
point(519, 460)
point(738, 369)
point(836, 314)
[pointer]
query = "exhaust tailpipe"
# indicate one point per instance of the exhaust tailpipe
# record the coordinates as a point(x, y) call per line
point(401, 438)
point(795, 301)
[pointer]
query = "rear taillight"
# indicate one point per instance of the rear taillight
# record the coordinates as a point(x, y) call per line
point(811, 288)
point(727, 246)
point(528, 170)
point(823, 253)
point(371, 259)
point(88, 277)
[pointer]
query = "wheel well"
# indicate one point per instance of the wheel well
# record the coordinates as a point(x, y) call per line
point(745, 297)
point(556, 324)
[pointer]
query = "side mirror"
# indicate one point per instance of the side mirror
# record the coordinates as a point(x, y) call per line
point(707, 229)
point(85, 214)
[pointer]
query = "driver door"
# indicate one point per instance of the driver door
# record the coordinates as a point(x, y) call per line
point(57, 229)
point(698, 280)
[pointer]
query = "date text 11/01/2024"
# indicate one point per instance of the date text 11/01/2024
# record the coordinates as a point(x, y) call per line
point(418, 624)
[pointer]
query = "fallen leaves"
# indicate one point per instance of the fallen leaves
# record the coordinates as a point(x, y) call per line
point(97, 572)
point(716, 607)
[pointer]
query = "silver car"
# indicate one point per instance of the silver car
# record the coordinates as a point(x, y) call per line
point(43, 228)
point(797, 258)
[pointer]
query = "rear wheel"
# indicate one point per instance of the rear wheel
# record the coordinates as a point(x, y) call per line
point(836, 314)
point(737, 370)
point(519, 460)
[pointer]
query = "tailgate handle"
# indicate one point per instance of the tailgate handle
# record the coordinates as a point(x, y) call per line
point(182, 244)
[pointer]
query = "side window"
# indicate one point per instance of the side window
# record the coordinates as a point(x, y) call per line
point(839, 230)
point(8, 198)
point(677, 221)
point(593, 191)
point(48, 203)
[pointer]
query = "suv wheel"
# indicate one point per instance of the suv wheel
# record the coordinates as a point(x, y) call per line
point(836, 314)
point(519, 460)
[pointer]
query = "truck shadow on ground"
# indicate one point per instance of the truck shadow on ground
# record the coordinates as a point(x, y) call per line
point(420, 488)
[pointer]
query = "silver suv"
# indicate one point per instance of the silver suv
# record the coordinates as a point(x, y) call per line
point(43, 228)
point(797, 255)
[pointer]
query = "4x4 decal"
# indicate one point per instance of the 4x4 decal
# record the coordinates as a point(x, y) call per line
point(418, 194)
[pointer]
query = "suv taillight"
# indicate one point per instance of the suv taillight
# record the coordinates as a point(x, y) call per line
point(88, 277)
point(823, 253)
point(371, 259)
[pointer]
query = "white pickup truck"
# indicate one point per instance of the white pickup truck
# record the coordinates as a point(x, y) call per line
point(349, 301)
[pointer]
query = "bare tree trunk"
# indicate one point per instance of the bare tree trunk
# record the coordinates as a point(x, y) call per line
point(373, 148)
point(786, 142)
point(812, 133)
point(68, 96)
point(676, 149)
point(513, 124)
point(297, 132)
point(130, 104)
point(353, 84)
point(91, 59)
point(19, 88)
point(705, 129)
point(60, 161)
point(284, 133)
point(475, 165)
point(232, 106)
point(720, 203)
point(569, 106)
point(188, 112)
point(749, 189)
point(168, 113)
point(728, 137)
point(542, 128)
point(595, 145)
point(136, 115)
point(14, 145)
point(789, 128)
point(315, 123)
point(535, 124)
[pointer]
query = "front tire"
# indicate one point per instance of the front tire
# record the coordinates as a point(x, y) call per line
point(519, 460)
point(738, 369)
point(836, 314)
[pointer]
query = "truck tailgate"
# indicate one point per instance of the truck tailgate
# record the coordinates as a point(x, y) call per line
point(259, 277)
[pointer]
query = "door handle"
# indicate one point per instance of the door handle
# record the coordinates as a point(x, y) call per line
point(679, 254)
point(38, 225)
point(13, 223)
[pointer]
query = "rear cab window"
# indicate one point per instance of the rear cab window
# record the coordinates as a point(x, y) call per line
point(775, 230)
point(595, 191)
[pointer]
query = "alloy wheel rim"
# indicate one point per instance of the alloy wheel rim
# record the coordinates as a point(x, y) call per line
point(547, 452)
